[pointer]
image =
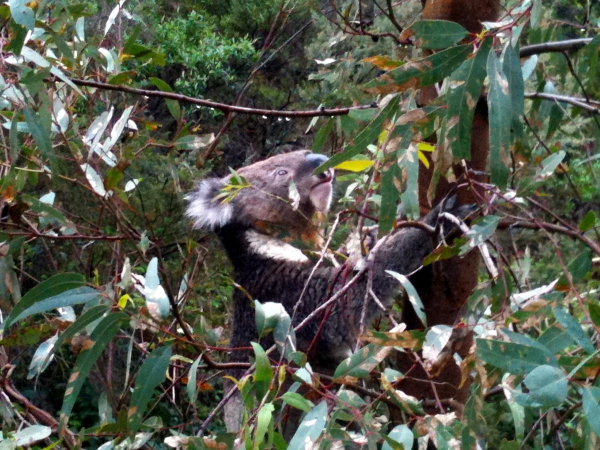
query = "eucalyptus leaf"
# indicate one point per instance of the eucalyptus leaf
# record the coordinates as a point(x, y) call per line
point(547, 388)
point(151, 374)
point(310, 428)
point(49, 289)
point(436, 34)
point(100, 338)
point(500, 113)
point(400, 434)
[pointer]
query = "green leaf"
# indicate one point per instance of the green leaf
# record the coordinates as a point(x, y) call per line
point(21, 14)
point(18, 41)
point(413, 295)
point(72, 297)
point(273, 317)
point(594, 313)
point(310, 429)
point(555, 339)
point(321, 136)
point(547, 388)
point(88, 317)
point(26, 437)
point(480, 231)
point(537, 12)
point(354, 365)
point(63, 47)
point(421, 73)
point(578, 268)
point(263, 373)
point(122, 78)
point(410, 196)
point(362, 114)
point(267, 316)
point(527, 341)
point(297, 401)
point(191, 388)
point(574, 329)
point(514, 358)
point(588, 222)
point(346, 397)
point(186, 142)
point(464, 89)
point(517, 411)
point(389, 199)
point(500, 116)
point(402, 435)
point(10, 292)
point(365, 137)
point(549, 164)
point(173, 105)
point(436, 34)
point(151, 374)
point(135, 33)
point(552, 109)
point(38, 131)
point(263, 420)
point(14, 139)
point(284, 335)
point(42, 357)
point(46, 289)
point(511, 66)
point(45, 210)
point(101, 336)
point(154, 293)
point(590, 396)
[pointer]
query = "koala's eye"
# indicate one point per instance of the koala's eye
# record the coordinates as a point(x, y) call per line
point(282, 172)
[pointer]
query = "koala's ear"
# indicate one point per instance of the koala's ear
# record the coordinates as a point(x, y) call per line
point(206, 212)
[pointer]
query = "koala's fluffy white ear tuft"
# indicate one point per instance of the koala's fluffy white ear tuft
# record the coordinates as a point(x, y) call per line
point(207, 213)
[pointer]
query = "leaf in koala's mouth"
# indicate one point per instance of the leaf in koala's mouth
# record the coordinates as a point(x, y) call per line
point(294, 196)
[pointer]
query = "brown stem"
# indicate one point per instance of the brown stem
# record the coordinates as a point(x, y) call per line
point(40, 415)
point(554, 47)
point(594, 246)
point(579, 102)
point(221, 106)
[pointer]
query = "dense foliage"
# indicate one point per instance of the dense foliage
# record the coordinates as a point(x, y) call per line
point(115, 314)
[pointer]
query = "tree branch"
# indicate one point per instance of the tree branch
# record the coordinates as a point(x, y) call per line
point(508, 223)
point(69, 439)
point(220, 106)
point(575, 101)
point(552, 47)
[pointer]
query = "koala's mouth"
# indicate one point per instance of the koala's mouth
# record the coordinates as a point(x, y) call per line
point(322, 192)
point(325, 177)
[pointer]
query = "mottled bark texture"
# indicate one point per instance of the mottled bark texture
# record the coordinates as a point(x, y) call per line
point(445, 286)
point(468, 13)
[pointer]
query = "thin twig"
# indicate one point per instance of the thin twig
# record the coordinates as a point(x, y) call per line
point(575, 101)
point(554, 47)
point(221, 106)
point(68, 437)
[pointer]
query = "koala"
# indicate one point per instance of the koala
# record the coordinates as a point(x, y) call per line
point(282, 197)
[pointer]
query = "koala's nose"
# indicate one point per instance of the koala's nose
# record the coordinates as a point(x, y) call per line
point(315, 160)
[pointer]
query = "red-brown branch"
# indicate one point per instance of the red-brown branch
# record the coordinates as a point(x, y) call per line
point(221, 106)
point(40, 415)
point(576, 234)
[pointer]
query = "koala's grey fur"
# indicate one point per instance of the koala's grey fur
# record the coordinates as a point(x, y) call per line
point(271, 270)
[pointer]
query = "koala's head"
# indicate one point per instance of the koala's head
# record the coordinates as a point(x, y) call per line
point(283, 192)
